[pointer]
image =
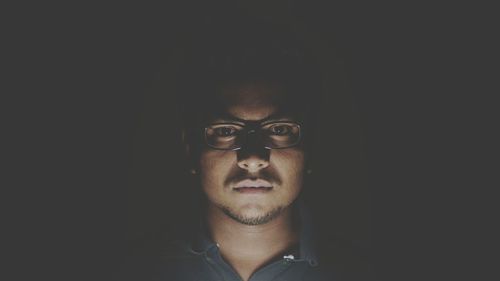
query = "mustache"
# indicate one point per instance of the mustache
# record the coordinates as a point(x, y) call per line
point(237, 175)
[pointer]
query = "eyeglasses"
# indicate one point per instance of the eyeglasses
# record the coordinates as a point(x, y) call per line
point(272, 135)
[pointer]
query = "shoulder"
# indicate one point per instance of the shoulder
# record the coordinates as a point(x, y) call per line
point(177, 250)
point(347, 260)
point(173, 259)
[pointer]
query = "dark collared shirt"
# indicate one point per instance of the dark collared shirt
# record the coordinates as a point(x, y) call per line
point(199, 259)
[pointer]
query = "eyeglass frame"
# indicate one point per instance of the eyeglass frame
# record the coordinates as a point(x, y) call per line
point(253, 126)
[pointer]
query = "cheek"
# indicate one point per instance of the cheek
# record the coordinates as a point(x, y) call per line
point(290, 164)
point(214, 166)
point(290, 158)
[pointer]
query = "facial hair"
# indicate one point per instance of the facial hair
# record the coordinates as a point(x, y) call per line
point(263, 219)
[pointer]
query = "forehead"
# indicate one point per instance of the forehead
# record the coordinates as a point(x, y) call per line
point(252, 101)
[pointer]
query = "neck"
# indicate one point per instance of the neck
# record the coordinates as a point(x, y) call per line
point(248, 247)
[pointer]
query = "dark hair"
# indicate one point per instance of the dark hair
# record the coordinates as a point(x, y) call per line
point(253, 54)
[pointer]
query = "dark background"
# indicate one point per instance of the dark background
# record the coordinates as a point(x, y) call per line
point(94, 65)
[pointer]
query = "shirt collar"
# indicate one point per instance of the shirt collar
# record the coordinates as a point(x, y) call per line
point(307, 246)
point(201, 243)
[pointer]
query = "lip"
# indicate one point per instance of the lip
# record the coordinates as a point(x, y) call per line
point(253, 186)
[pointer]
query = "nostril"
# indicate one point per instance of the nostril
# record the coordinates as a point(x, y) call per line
point(252, 163)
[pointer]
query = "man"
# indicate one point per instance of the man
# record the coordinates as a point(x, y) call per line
point(248, 118)
point(247, 137)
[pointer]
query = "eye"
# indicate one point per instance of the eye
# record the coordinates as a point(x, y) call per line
point(225, 131)
point(281, 130)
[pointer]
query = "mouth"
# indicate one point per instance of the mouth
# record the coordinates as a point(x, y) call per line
point(253, 186)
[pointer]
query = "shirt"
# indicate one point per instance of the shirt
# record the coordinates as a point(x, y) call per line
point(199, 259)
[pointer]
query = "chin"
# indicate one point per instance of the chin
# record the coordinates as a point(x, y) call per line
point(252, 211)
point(253, 214)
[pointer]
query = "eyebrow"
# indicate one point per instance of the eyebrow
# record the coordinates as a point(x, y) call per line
point(227, 117)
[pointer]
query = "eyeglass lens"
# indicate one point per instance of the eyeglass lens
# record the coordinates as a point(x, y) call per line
point(232, 136)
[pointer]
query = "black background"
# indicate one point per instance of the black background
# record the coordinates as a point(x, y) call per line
point(93, 64)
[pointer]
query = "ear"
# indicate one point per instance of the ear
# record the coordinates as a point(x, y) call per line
point(308, 162)
point(188, 153)
point(185, 143)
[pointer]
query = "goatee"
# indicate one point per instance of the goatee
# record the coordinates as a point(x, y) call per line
point(263, 219)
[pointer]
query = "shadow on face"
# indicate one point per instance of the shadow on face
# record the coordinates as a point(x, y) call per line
point(254, 183)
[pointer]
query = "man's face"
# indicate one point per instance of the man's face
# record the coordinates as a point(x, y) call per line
point(253, 184)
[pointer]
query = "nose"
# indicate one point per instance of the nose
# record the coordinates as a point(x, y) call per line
point(253, 161)
point(253, 164)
